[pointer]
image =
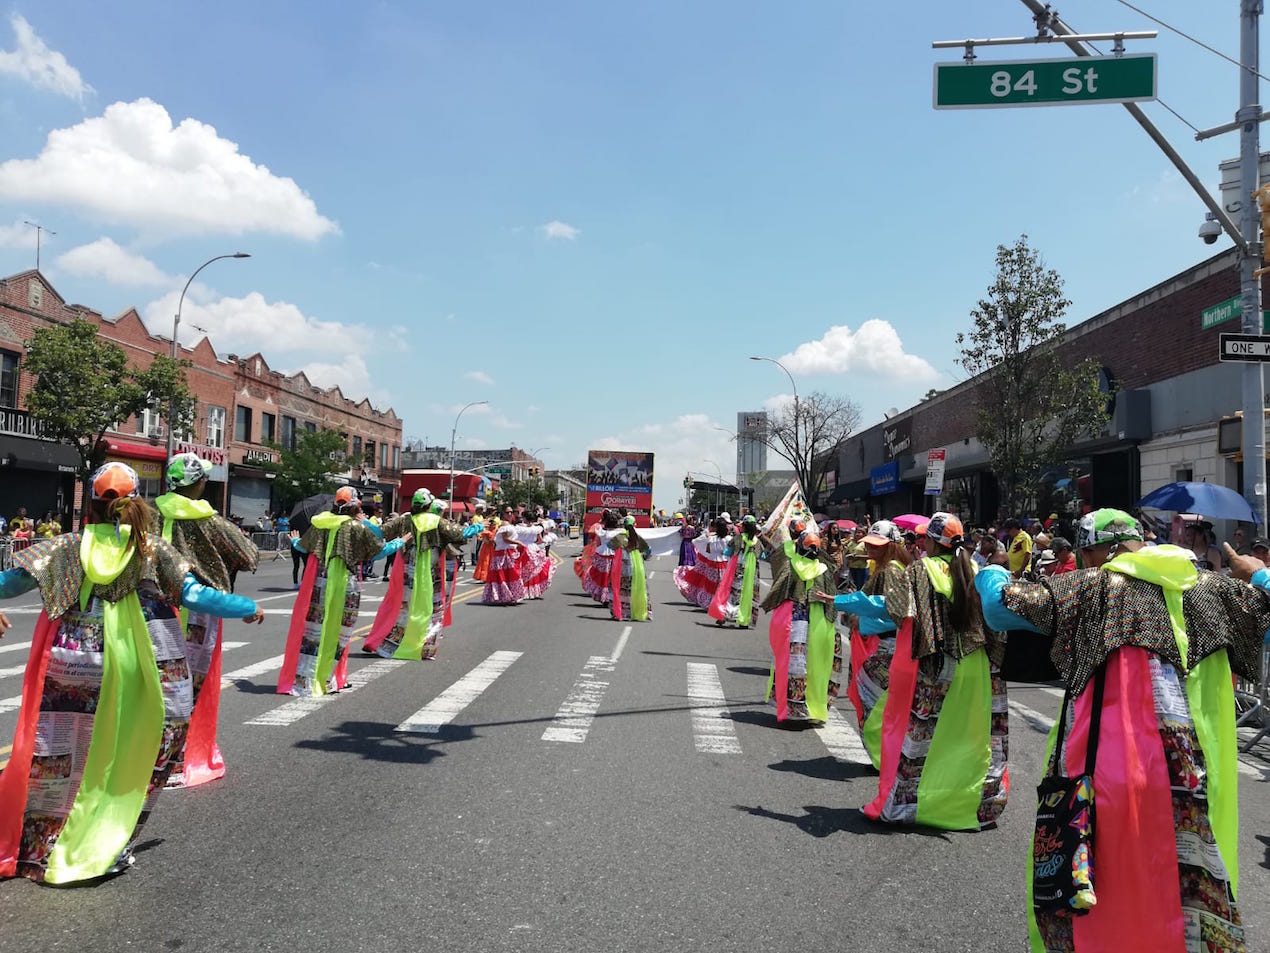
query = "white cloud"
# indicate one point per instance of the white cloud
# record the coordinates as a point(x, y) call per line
point(557, 229)
point(105, 259)
point(875, 349)
point(479, 376)
point(131, 166)
point(17, 235)
point(35, 63)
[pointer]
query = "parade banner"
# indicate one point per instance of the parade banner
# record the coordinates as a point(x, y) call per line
point(620, 478)
point(791, 506)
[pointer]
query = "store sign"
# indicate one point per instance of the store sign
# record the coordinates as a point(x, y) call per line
point(935, 461)
point(213, 455)
point(146, 469)
point(897, 438)
point(884, 479)
point(20, 424)
point(257, 456)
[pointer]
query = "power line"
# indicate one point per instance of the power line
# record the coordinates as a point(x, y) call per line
point(1198, 43)
point(1180, 117)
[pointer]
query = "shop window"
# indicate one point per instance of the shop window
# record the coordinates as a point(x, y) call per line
point(268, 424)
point(288, 433)
point(242, 424)
point(8, 379)
point(215, 426)
point(1184, 474)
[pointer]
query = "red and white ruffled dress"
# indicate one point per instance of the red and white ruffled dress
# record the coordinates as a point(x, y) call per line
point(503, 585)
point(596, 580)
point(538, 569)
point(699, 581)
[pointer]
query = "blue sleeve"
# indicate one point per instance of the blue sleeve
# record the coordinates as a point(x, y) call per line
point(471, 529)
point(990, 581)
point(390, 548)
point(295, 544)
point(225, 605)
point(874, 619)
point(377, 530)
point(16, 582)
point(1261, 579)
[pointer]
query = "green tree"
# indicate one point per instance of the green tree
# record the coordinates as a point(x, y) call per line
point(1030, 406)
point(526, 493)
point(306, 469)
point(84, 386)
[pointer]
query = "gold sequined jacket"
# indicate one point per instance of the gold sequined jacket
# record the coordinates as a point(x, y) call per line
point(215, 549)
point(1091, 613)
point(354, 543)
point(786, 585)
point(55, 566)
point(445, 532)
point(933, 629)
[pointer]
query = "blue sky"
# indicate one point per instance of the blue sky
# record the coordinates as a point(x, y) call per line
point(586, 214)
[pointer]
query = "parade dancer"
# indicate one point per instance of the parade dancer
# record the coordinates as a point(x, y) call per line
point(216, 550)
point(539, 569)
point(628, 586)
point(873, 630)
point(107, 696)
point(1159, 641)
point(598, 580)
point(699, 581)
point(338, 544)
point(944, 725)
point(503, 585)
point(806, 646)
point(409, 621)
point(687, 533)
point(734, 599)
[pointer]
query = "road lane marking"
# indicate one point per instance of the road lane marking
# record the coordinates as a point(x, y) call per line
point(621, 644)
point(577, 711)
point(8, 672)
point(712, 729)
point(445, 707)
point(842, 740)
point(251, 671)
point(290, 712)
point(10, 704)
point(14, 646)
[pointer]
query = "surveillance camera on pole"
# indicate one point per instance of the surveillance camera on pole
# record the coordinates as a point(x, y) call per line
point(1210, 231)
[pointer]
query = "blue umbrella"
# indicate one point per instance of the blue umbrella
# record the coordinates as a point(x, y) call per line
point(1205, 499)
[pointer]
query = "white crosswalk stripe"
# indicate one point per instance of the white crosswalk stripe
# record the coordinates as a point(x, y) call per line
point(842, 740)
point(291, 712)
point(443, 709)
point(251, 671)
point(15, 670)
point(573, 720)
point(712, 728)
point(15, 646)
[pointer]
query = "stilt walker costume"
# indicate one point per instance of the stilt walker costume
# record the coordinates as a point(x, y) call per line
point(215, 549)
point(338, 544)
point(1161, 640)
point(107, 697)
point(412, 615)
point(806, 646)
point(628, 585)
point(944, 738)
point(734, 599)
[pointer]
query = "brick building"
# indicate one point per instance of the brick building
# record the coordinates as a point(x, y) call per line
point(1170, 393)
point(40, 474)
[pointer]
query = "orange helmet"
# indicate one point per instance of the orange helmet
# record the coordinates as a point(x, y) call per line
point(346, 498)
point(115, 481)
point(945, 529)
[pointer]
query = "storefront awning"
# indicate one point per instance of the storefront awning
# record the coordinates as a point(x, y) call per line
point(24, 453)
point(856, 489)
point(136, 451)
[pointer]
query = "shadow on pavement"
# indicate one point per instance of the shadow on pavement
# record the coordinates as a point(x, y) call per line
point(750, 670)
point(823, 821)
point(251, 688)
point(715, 658)
point(826, 768)
point(378, 741)
point(1266, 841)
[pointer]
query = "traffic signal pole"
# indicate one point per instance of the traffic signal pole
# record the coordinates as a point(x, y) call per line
point(1249, 118)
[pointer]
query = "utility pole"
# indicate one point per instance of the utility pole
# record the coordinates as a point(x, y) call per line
point(1249, 119)
point(38, 230)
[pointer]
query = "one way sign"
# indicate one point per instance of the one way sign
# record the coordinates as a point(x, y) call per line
point(1245, 347)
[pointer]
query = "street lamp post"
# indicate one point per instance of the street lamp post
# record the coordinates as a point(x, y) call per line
point(742, 496)
point(176, 324)
point(798, 449)
point(453, 432)
point(719, 478)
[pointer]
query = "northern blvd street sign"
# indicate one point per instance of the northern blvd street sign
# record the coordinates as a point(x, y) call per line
point(1084, 79)
point(1245, 347)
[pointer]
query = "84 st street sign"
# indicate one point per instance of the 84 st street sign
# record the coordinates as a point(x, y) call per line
point(1055, 82)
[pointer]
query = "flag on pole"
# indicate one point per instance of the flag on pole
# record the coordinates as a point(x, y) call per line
point(791, 506)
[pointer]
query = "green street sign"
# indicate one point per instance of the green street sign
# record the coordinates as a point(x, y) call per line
point(1228, 310)
point(1084, 79)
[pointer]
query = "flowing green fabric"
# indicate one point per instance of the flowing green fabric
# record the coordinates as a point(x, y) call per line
point(639, 587)
point(175, 507)
point(749, 559)
point(1208, 694)
point(939, 571)
point(871, 731)
point(951, 787)
point(420, 618)
point(819, 661)
point(127, 725)
point(333, 601)
point(804, 567)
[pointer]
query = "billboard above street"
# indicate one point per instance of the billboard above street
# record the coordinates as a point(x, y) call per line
point(620, 478)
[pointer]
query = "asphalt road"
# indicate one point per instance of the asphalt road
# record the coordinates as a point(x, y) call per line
point(572, 783)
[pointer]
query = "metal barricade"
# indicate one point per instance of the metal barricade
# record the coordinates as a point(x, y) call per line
point(6, 553)
point(265, 542)
point(1254, 706)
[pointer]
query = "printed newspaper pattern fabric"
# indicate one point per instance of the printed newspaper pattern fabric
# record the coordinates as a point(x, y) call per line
point(203, 635)
point(72, 686)
point(934, 682)
point(1210, 917)
point(796, 684)
point(314, 621)
point(388, 647)
point(874, 674)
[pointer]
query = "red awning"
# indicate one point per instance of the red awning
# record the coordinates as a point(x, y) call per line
point(461, 507)
point(138, 451)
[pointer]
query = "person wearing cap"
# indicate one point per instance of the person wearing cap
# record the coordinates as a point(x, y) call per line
point(338, 544)
point(216, 551)
point(107, 696)
point(1064, 558)
point(1260, 549)
point(734, 599)
point(504, 585)
point(806, 645)
point(943, 738)
point(873, 630)
point(410, 619)
point(698, 580)
point(1157, 641)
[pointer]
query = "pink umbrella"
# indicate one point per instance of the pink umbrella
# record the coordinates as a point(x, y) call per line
point(911, 521)
point(847, 525)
